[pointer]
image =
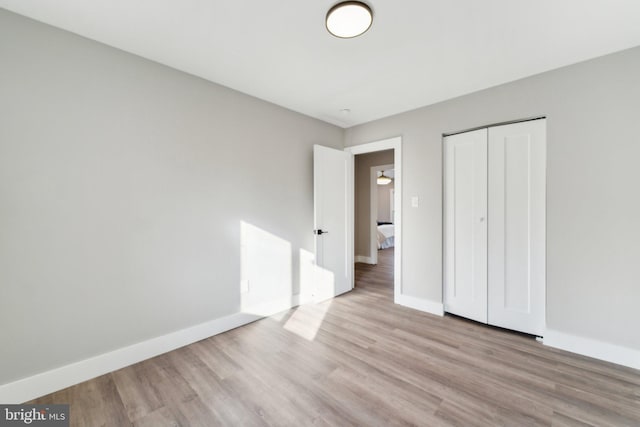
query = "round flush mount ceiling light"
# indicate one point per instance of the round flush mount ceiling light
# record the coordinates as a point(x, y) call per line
point(383, 179)
point(349, 19)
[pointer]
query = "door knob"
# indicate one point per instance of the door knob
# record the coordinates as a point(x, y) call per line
point(319, 232)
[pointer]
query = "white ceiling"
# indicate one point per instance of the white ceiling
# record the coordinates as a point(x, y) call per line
point(417, 52)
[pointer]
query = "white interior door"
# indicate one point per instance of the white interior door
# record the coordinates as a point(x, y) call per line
point(465, 216)
point(517, 157)
point(332, 176)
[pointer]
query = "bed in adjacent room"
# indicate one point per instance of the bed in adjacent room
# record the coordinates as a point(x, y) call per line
point(385, 235)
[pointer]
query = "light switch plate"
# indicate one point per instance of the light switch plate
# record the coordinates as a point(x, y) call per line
point(415, 202)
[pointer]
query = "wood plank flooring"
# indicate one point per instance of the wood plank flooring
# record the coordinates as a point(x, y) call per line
point(360, 360)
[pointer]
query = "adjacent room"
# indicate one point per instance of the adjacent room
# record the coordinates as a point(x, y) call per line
point(320, 213)
point(374, 199)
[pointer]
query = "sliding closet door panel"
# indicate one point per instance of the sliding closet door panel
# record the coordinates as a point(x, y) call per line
point(516, 235)
point(466, 225)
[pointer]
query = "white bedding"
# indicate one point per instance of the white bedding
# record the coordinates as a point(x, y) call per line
point(386, 236)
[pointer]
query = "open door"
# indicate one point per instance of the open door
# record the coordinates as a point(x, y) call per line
point(332, 176)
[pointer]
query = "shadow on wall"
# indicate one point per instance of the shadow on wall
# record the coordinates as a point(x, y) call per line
point(266, 281)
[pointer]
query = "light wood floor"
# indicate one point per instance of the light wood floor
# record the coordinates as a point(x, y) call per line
point(360, 360)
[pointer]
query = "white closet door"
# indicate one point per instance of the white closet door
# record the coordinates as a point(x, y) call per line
point(465, 225)
point(517, 165)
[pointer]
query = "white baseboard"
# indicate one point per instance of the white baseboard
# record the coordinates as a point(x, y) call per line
point(593, 348)
point(421, 304)
point(363, 259)
point(56, 379)
point(272, 307)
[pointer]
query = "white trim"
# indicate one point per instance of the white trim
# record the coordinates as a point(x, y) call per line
point(365, 259)
point(421, 304)
point(351, 167)
point(386, 144)
point(56, 379)
point(373, 210)
point(392, 196)
point(371, 147)
point(593, 348)
point(269, 308)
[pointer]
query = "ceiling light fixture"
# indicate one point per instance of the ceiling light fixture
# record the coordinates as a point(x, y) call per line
point(349, 19)
point(383, 179)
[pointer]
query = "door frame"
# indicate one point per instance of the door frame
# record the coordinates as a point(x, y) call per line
point(394, 144)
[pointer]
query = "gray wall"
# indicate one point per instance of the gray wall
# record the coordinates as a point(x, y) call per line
point(593, 188)
point(362, 180)
point(123, 184)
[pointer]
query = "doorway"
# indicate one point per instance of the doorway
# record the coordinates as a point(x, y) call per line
point(382, 206)
point(364, 222)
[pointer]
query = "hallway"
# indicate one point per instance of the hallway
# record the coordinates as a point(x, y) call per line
point(377, 278)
